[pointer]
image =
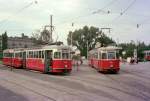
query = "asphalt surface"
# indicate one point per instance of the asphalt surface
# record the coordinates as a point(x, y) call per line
point(132, 83)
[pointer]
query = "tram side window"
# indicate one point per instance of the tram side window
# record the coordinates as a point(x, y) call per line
point(117, 55)
point(42, 54)
point(16, 55)
point(104, 56)
point(30, 54)
point(27, 54)
point(21, 54)
point(35, 54)
point(5, 55)
point(39, 54)
point(99, 55)
point(96, 55)
point(57, 55)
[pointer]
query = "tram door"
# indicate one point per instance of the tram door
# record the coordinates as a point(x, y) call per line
point(48, 60)
point(24, 59)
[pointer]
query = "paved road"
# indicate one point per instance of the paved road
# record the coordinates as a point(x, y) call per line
point(131, 83)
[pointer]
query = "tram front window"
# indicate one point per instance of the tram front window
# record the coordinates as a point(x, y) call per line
point(57, 55)
point(111, 55)
point(65, 55)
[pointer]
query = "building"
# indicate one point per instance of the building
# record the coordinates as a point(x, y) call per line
point(19, 42)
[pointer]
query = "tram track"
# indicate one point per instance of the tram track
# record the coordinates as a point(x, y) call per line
point(114, 88)
point(88, 82)
point(11, 82)
point(71, 92)
point(123, 84)
point(102, 93)
point(138, 90)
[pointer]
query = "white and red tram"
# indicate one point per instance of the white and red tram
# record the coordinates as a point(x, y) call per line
point(147, 55)
point(105, 59)
point(45, 59)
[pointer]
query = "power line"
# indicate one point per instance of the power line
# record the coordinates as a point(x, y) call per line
point(27, 6)
point(125, 10)
point(19, 11)
point(142, 23)
point(101, 10)
point(94, 12)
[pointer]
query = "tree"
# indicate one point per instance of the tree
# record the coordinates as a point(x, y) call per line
point(4, 41)
point(88, 36)
point(129, 48)
point(41, 37)
point(45, 35)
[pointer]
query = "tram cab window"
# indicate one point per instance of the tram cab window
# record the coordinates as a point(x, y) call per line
point(65, 55)
point(57, 55)
point(111, 55)
point(104, 56)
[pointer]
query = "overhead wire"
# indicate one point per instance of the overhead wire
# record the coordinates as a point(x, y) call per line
point(19, 11)
point(90, 14)
point(142, 23)
point(124, 11)
point(101, 10)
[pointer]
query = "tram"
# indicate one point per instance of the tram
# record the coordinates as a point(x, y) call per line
point(53, 58)
point(105, 59)
point(147, 55)
point(8, 54)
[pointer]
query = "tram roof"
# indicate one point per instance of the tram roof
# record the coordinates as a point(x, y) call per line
point(147, 51)
point(56, 47)
point(48, 47)
point(109, 48)
point(13, 50)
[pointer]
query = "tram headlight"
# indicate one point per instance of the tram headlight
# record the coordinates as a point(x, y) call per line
point(111, 65)
point(66, 66)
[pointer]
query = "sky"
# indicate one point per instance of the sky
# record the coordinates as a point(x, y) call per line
point(24, 16)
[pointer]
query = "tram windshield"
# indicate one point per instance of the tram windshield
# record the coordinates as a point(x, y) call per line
point(111, 55)
point(61, 55)
point(65, 55)
point(57, 55)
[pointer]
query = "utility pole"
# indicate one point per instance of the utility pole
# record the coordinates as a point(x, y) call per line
point(49, 36)
point(87, 49)
point(51, 28)
point(71, 34)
